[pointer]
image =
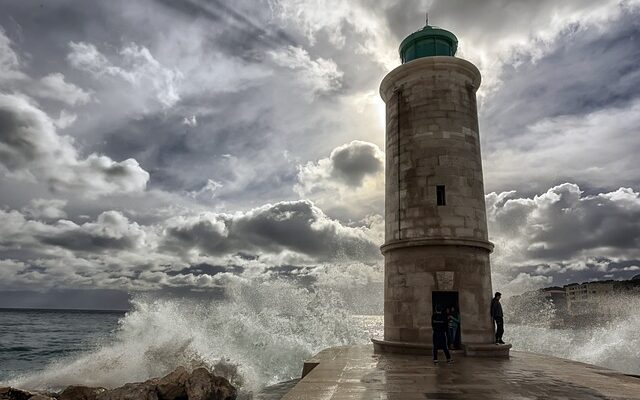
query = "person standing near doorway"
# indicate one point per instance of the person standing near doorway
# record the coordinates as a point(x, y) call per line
point(497, 316)
point(454, 324)
point(439, 326)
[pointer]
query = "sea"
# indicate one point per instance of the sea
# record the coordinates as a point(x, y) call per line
point(255, 338)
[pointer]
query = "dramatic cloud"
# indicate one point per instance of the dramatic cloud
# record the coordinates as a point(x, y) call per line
point(186, 250)
point(240, 113)
point(111, 231)
point(497, 32)
point(334, 18)
point(320, 75)
point(136, 66)
point(351, 179)
point(585, 109)
point(298, 227)
point(9, 60)
point(53, 86)
point(46, 209)
point(563, 223)
point(29, 144)
point(563, 231)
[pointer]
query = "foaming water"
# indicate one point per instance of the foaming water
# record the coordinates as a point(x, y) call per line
point(258, 335)
point(609, 335)
point(261, 332)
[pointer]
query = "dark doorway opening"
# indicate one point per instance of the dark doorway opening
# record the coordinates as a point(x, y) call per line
point(449, 303)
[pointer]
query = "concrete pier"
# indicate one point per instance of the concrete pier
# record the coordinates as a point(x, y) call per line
point(356, 372)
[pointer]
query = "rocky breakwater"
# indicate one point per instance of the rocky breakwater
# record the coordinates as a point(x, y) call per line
point(199, 384)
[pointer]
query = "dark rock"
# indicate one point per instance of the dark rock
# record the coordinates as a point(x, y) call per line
point(178, 385)
point(131, 391)
point(172, 386)
point(202, 385)
point(9, 393)
point(80, 393)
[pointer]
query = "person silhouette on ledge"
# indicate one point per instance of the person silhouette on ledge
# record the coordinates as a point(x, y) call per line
point(439, 325)
point(496, 315)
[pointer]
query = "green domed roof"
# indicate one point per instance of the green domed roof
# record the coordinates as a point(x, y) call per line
point(428, 42)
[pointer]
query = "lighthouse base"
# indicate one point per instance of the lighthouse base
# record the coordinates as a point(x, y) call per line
point(468, 349)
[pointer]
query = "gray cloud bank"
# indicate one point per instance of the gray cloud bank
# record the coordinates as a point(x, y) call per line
point(115, 252)
point(564, 235)
point(247, 138)
point(562, 232)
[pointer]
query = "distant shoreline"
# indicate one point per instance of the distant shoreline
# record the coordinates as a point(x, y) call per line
point(69, 310)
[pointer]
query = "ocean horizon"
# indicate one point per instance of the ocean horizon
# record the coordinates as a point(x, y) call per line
point(254, 347)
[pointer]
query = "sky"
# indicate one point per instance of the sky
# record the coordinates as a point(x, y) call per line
point(173, 147)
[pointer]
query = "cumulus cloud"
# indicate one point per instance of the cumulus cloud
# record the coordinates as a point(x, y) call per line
point(54, 86)
point(563, 233)
point(65, 119)
point(207, 192)
point(30, 144)
point(109, 252)
point(561, 109)
point(9, 60)
point(334, 18)
point(554, 149)
point(297, 226)
point(563, 223)
point(113, 251)
point(498, 32)
point(111, 231)
point(350, 180)
point(136, 65)
point(190, 121)
point(319, 75)
point(46, 209)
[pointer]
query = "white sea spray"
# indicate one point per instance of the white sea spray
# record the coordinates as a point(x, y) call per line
point(258, 335)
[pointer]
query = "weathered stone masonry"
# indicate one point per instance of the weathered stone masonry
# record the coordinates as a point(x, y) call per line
point(432, 139)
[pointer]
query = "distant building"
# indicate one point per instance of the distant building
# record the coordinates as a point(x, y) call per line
point(580, 297)
point(625, 286)
point(557, 296)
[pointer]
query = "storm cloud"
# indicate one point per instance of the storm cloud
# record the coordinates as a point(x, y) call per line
point(296, 226)
point(349, 181)
point(161, 145)
point(565, 233)
point(30, 145)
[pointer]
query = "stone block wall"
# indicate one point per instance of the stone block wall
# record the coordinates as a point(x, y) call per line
point(436, 143)
point(432, 139)
point(413, 273)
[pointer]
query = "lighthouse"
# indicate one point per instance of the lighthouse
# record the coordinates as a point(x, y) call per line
point(436, 248)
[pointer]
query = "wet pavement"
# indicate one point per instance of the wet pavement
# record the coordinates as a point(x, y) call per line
point(275, 392)
point(355, 372)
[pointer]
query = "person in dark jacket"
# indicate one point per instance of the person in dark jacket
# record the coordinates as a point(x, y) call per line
point(439, 325)
point(496, 315)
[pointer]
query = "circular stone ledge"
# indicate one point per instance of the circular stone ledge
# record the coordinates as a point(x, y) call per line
point(399, 244)
point(468, 349)
point(389, 346)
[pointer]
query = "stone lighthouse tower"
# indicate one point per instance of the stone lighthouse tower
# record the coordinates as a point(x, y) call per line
point(436, 246)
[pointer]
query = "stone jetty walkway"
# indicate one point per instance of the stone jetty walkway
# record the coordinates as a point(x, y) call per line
point(355, 372)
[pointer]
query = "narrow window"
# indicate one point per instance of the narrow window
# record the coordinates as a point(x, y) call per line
point(440, 195)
